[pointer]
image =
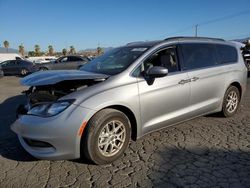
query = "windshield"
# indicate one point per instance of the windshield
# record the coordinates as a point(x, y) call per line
point(114, 61)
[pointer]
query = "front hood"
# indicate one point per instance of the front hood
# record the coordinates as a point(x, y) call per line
point(56, 76)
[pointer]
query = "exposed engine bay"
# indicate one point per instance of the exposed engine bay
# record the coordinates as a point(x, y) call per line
point(49, 86)
point(50, 93)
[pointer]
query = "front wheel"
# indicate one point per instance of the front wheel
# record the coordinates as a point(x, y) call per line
point(107, 136)
point(231, 101)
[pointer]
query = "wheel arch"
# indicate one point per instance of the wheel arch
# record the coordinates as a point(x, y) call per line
point(128, 112)
point(238, 86)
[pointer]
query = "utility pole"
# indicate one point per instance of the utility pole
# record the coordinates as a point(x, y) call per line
point(196, 30)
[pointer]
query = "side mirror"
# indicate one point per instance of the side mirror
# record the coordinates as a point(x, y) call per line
point(157, 72)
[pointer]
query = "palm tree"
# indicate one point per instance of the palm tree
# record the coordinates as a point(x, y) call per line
point(21, 49)
point(72, 50)
point(6, 45)
point(51, 50)
point(64, 51)
point(37, 50)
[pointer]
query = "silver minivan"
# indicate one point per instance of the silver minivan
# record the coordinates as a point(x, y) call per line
point(126, 93)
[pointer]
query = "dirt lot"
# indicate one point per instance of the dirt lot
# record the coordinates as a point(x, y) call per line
point(207, 151)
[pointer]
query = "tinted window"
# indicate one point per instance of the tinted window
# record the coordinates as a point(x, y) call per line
point(64, 59)
point(85, 59)
point(226, 54)
point(5, 63)
point(24, 62)
point(12, 62)
point(198, 55)
point(74, 58)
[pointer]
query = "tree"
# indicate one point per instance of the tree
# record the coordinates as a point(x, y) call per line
point(72, 50)
point(51, 50)
point(99, 50)
point(247, 47)
point(31, 53)
point(64, 51)
point(37, 50)
point(21, 49)
point(6, 45)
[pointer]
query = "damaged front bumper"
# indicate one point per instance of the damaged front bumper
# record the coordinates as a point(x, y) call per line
point(54, 137)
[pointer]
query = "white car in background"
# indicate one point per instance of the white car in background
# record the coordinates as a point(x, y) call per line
point(42, 59)
point(9, 56)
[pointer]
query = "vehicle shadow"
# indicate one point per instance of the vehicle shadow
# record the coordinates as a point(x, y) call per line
point(9, 144)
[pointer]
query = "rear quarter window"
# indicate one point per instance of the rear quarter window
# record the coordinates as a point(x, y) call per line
point(226, 54)
point(198, 55)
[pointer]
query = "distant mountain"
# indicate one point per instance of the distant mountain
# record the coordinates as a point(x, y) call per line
point(10, 50)
point(105, 49)
point(242, 40)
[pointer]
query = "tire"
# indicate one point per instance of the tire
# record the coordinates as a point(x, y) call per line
point(99, 132)
point(43, 69)
point(231, 101)
point(24, 72)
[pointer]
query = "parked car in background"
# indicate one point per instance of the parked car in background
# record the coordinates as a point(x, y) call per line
point(42, 59)
point(126, 93)
point(9, 56)
point(64, 63)
point(246, 55)
point(1, 72)
point(18, 67)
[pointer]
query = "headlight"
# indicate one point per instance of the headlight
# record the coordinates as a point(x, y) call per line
point(50, 109)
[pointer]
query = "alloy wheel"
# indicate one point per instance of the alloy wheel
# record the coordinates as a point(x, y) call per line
point(232, 101)
point(23, 72)
point(111, 138)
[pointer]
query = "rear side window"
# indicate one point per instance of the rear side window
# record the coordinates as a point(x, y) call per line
point(198, 55)
point(226, 54)
point(73, 58)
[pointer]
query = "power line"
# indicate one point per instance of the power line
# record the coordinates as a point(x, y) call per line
point(220, 19)
point(237, 36)
point(224, 17)
point(196, 26)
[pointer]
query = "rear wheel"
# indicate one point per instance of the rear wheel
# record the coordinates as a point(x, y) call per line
point(24, 72)
point(231, 101)
point(107, 136)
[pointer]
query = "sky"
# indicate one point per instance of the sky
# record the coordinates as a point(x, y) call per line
point(109, 23)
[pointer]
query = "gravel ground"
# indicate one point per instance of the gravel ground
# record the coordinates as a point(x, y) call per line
point(208, 151)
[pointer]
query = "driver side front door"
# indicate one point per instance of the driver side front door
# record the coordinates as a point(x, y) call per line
point(166, 101)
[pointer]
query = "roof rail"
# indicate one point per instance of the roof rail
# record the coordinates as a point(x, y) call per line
point(136, 42)
point(198, 38)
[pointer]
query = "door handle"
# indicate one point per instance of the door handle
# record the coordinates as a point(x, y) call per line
point(182, 82)
point(194, 79)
